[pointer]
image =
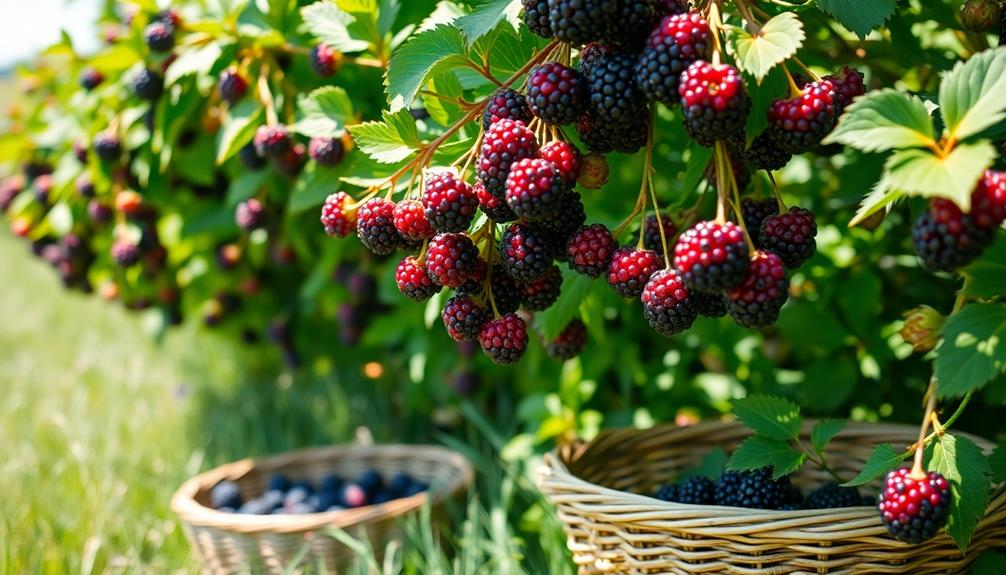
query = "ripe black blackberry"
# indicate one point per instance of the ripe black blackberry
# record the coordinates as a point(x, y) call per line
point(672, 7)
point(799, 124)
point(84, 185)
point(570, 341)
point(569, 217)
point(375, 225)
point(627, 137)
point(451, 259)
point(273, 141)
point(756, 302)
point(540, 294)
point(791, 236)
point(160, 36)
point(536, 17)
point(506, 293)
point(946, 239)
point(463, 318)
point(494, 208)
point(325, 60)
point(630, 269)
point(668, 492)
point(232, 85)
point(614, 94)
point(525, 252)
point(225, 494)
point(651, 233)
point(754, 213)
point(633, 24)
point(674, 44)
point(709, 304)
point(534, 189)
point(506, 142)
point(696, 490)
point(833, 496)
point(326, 152)
point(450, 202)
point(250, 215)
point(148, 85)
point(90, 78)
point(580, 22)
point(250, 157)
point(504, 339)
point(712, 256)
point(914, 510)
point(753, 490)
point(557, 94)
point(108, 146)
point(667, 305)
point(714, 104)
point(590, 249)
point(506, 104)
point(766, 154)
point(413, 280)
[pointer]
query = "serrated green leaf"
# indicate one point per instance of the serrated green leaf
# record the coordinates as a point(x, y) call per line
point(824, 431)
point(971, 96)
point(987, 275)
point(879, 198)
point(197, 61)
point(989, 563)
point(859, 16)
point(326, 112)
point(423, 56)
point(330, 24)
point(390, 141)
point(245, 186)
point(238, 129)
point(997, 463)
point(964, 465)
point(882, 461)
point(486, 17)
point(770, 416)
point(884, 120)
point(973, 350)
point(575, 288)
point(922, 173)
point(775, 42)
point(756, 452)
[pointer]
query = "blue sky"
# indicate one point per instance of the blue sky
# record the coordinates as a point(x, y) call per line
point(27, 26)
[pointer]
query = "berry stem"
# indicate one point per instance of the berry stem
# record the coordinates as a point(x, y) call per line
point(778, 193)
point(715, 24)
point(747, 15)
point(813, 75)
point(271, 118)
point(646, 181)
point(819, 461)
point(918, 471)
point(794, 90)
point(490, 251)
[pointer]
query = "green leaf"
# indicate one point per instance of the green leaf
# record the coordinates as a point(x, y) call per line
point(423, 56)
point(575, 288)
point(882, 461)
point(773, 417)
point(331, 25)
point(487, 16)
point(312, 187)
point(964, 465)
point(859, 16)
point(997, 463)
point(884, 120)
point(756, 452)
point(771, 88)
point(238, 129)
point(197, 61)
point(327, 111)
point(973, 350)
point(989, 563)
point(878, 199)
point(115, 58)
point(775, 42)
point(987, 275)
point(922, 173)
point(698, 160)
point(971, 95)
point(824, 431)
point(390, 141)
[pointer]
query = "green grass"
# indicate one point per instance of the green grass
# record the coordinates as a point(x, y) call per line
point(99, 424)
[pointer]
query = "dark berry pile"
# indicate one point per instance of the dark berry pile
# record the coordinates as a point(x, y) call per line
point(754, 490)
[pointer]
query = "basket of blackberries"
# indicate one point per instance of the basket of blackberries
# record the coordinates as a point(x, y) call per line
point(693, 500)
point(276, 513)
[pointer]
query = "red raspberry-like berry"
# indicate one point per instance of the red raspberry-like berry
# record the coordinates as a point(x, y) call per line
point(914, 510)
point(504, 339)
point(674, 44)
point(847, 84)
point(90, 78)
point(273, 141)
point(566, 158)
point(525, 252)
point(988, 201)
point(411, 222)
point(451, 259)
point(449, 201)
point(464, 318)
point(651, 233)
point(494, 208)
point(250, 215)
point(506, 142)
point(540, 294)
point(534, 189)
point(413, 280)
point(375, 226)
point(570, 341)
point(325, 60)
point(326, 151)
point(791, 236)
point(754, 212)
point(712, 256)
point(338, 215)
point(946, 239)
point(556, 93)
point(800, 123)
point(757, 301)
point(125, 253)
point(672, 7)
point(667, 303)
point(506, 104)
point(232, 85)
point(594, 171)
point(630, 269)
point(590, 250)
point(713, 101)
point(160, 36)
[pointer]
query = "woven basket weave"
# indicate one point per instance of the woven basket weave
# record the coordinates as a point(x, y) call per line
point(612, 528)
point(237, 543)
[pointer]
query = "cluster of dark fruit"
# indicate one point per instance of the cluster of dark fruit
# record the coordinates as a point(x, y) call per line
point(333, 493)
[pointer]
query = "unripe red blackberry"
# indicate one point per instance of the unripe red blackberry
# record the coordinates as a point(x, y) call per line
point(451, 259)
point(714, 103)
point(375, 225)
point(915, 510)
point(846, 85)
point(494, 208)
point(651, 233)
point(755, 212)
point(712, 256)
point(766, 154)
point(108, 146)
point(250, 215)
point(90, 78)
point(450, 202)
point(413, 280)
point(125, 253)
point(536, 17)
point(148, 85)
point(525, 252)
point(594, 171)
point(614, 95)
point(946, 239)
point(506, 104)
point(326, 151)
point(674, 44)
point(506, 142)
point(756, 302)
point(570, 341)
point(325, 60)
point(630, 269)
point(463, 318)
point(566, 159)
point(557, 94)
point(338, 215)
point(160, 36)
point(534, 189)
point(988, 201)
point(232, 86)
point(791, 236)
point(590, 250)
point(504, 339)
point(411, 222)
point(273, 141)
point(540, 294)
point(800, 123)
point(667, 304)
point(580, 22)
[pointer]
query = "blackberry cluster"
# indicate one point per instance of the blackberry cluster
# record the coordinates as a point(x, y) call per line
point(754, 490)
point(696, 490)
point(833, 496)
point(536, 17)
point(673, 45)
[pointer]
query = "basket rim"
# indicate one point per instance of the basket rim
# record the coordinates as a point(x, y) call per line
point(191, 512)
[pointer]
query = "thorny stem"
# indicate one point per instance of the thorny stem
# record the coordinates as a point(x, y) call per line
point(778, 194)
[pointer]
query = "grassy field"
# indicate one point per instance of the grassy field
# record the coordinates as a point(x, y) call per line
point(99, 424)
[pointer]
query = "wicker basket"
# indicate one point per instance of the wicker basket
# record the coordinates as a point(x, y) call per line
point(232, 543)
point(612, 529)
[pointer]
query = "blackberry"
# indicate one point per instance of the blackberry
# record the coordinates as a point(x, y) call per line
point(712, 256)
point(325, 60)
point(108, 146)
point(85, 187)
point(273, 141)
point(451, 259)
point(413, 281)
point(800, 123)
point(697, 490)
point(674, 44)
point(232, 85)
point(148, 85)
point(754, 212)
point(753, 490)
point(540, 294)
point(946, 239)
point(339, 215)
point(449, 201)
point(250, 157)
point(651, 233)
point(557, 94)
point(80, 151)
point(594, 171)
point(614, 95)
point(580, 22)
point(847, 85)
point(590, 250)
point(667, 306)
point(914, 510)
point(494, 208)
point(570, 341)
point(714, 103)
point(833, 496)
point(766, 154)
point(41, 188)
point(566, 159)
point(125, 253)
point(757, 301)
point(536, 17)
point(463, 318)
point(988, 201)
point(506, 142)
point(668, 492)
point(475, 283)
point(569, 217)
point(630, 269)
point(672, 7)
point(534, 189)
point(411, 222)
point(225, 494)
point(375, 225)
point(709, 304)
point(795, 506)
point(504, 339)
point(90, 78)
point(326, 151)
point(634, 21)
point(250, 215)
point(506, 293)
point(10, 187)
point(506, 104)
point(627, 137)
point(791, 236)
point(160, 36)
point(98, 212)
point(525, 252)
